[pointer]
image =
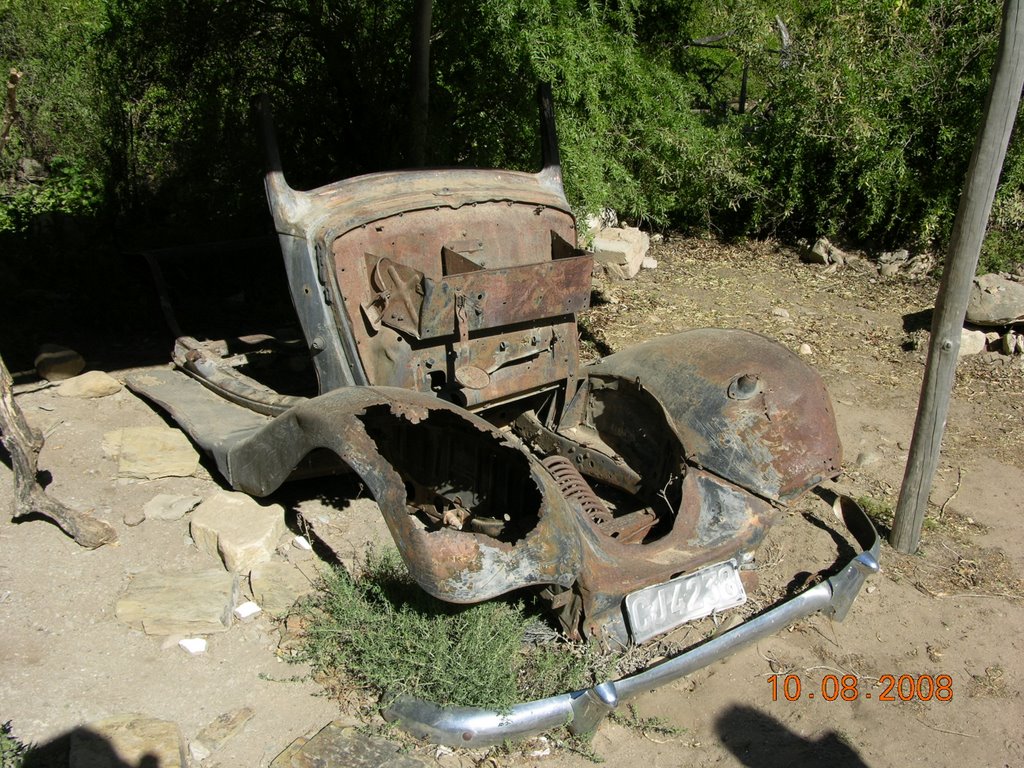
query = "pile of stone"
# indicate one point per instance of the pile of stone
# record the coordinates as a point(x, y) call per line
point(245, 538)
point(889, 264)
point(901, 262)
point(996, 303)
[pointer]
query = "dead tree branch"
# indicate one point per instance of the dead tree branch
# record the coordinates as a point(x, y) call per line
point(23, 444)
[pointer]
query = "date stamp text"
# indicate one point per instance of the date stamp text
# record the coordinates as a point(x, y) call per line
point(848, 688)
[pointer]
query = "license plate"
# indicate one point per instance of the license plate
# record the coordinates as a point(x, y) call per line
point(658, 609)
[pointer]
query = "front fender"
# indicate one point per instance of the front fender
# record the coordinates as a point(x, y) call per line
point(745, 408)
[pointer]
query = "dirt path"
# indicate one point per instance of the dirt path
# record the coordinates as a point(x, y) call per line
point(955, 609)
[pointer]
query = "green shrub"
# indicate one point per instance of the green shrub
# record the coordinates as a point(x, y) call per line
point(873, 123)
point(383, 632)
point(862, 127)
point(12, 751)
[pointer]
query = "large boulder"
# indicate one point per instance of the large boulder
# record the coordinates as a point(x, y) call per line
point(995, 300)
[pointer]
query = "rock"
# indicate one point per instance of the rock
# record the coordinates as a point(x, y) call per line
point(338, 744)
point(823, 252)
point(995, 300)
point(781, 313)
point(198, 752)
point(151, 452)
point(1020, 344)
point(816, 254)
point(921, 264)
point(247, 610)
point(895, 257)
point(214, 735)
point(179, 604)
point(31, 170)
point(56, 363)
point(127, 740)
point(89, 384)
point(166, 506)
point(649, 263)
point(276, 586)
point(805, 349)
point(235, 528)
point(134, 517)
point(867, 458)
point(593, 224)
point(888, 270)
point(1009, 343)
point(193, 645)
point(623, 248)
point(971, 342)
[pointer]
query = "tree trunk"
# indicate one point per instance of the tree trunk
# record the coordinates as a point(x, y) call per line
point(420, 81)
point(23, 444)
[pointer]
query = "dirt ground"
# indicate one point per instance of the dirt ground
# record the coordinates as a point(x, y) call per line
point(953, 609)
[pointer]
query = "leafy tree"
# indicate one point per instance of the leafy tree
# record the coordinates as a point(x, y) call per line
point(836, 117)
point(53, 159)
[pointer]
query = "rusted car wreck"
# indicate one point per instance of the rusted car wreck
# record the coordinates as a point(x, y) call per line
point(439, 308)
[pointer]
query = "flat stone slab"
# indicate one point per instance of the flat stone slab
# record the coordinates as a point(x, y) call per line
point(621, 250)
point(214, 735)
point(147, 453)
point(233, 527)
point(339, 744)
point(179, 604)
point(167, 506)
point(276, 586)
point(125, 740)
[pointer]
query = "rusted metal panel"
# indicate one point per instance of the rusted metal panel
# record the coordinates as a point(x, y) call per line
point(508, 296)
point(745, 407)
point(395, 290)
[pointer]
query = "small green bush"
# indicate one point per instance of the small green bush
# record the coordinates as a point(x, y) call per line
point(381, 631)
point(12, 751)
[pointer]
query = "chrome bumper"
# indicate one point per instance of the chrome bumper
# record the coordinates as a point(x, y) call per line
point(584, 710)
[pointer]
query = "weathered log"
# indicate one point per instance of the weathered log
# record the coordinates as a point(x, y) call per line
point(23, 444)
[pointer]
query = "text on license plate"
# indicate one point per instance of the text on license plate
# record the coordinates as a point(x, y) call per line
point(657, 609)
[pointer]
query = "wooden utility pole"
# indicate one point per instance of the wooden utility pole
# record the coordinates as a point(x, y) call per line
point(961, 262)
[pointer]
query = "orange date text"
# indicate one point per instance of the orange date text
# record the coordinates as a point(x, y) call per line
point(848, 688)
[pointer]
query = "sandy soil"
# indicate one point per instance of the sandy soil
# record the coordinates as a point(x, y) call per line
point(953, 609)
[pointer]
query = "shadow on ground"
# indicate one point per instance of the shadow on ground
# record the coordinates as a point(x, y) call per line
point(89, 748)
point(760, 741)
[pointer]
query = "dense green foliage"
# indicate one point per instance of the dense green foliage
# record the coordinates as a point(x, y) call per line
point(58, 123)
point(836, 117)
